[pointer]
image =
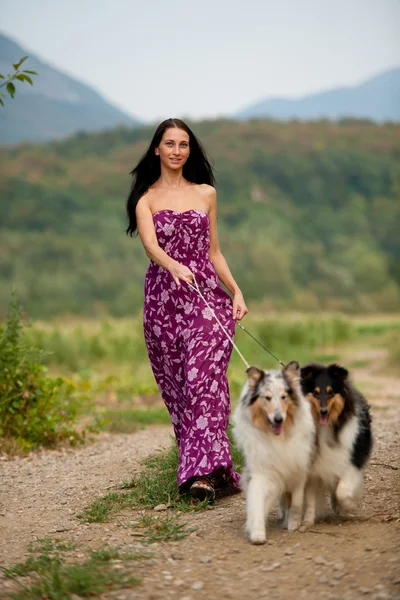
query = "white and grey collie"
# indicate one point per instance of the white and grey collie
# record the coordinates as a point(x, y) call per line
point(274, 428)
point(344, 440)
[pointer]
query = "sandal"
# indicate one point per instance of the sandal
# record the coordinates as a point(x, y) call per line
point(203, 488)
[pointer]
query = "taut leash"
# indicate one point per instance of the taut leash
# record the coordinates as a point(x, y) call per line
point(196, 288)
point(262, 345)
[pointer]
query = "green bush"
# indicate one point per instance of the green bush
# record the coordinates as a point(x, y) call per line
point(35, 410)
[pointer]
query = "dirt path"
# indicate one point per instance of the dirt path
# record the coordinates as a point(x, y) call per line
point(339, 559)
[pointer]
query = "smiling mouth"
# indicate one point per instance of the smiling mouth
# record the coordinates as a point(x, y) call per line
point(276, 428)
point(323, 419)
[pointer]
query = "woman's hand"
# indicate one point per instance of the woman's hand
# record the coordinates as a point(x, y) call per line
point(181, 272)
point(239, 306)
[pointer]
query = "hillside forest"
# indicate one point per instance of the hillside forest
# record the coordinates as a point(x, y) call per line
point(309, 217)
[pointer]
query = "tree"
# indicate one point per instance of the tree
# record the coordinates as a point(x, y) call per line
point(17, 75)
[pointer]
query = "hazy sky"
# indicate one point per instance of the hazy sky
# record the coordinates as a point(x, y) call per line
point(204, 58)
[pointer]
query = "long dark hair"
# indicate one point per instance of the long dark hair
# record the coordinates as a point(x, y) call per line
point(196, 169)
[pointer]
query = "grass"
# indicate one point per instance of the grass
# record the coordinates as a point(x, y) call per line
point(156, 484)
point(106, 351)
point(326, 358)
point(51, 576)
point(78, 344)
point(162, 528)
point(128, 420)
point(41, 562)
point(394, 349)
point(100, 355)
point(107, 360)
point(358, 364)
point(101, 508)
point(59, 582)
point(377, 328)
point(48, 544)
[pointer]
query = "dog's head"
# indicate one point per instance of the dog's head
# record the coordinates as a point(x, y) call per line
point(325, 388)
point(272, 397)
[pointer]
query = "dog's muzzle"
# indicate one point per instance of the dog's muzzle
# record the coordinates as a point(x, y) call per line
point(276, 424)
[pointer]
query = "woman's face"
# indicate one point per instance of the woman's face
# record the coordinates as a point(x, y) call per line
point(174, 148)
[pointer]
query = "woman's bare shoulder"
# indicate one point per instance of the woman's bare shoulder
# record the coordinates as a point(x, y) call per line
point(152, 191)
point(205, 190)
point(149, 195)
point(144, 200)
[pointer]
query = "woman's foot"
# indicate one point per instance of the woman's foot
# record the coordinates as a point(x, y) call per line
point(203, 488)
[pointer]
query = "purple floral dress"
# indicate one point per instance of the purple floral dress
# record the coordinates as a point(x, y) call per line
point(189, 353)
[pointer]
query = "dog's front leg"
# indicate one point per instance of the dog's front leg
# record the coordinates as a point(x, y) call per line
point(310, 502)
point(350, 488)
point(256, 501)
point(296, 508)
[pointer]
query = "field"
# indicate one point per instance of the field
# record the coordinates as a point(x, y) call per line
point(108, 360)
point(73, 513)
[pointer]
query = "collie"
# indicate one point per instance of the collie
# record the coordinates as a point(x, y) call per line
point(274, 428)
point(344, 440)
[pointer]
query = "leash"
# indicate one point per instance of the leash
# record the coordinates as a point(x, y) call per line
point(262, 345)
point(196, 288)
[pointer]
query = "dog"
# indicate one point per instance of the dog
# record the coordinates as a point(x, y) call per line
point(344, 440)
point(274, 428)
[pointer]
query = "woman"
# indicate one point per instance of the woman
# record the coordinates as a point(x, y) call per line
point(172, 205)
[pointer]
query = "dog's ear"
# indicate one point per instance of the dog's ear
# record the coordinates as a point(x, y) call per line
point(338, 372)
point(254, 376)
point(307, 372)
point(292, 371)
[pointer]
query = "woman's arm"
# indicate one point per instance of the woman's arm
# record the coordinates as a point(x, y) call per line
point(220, 264)
point(147, 233)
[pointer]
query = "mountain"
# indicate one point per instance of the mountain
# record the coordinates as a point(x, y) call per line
point(377, 99)
point(56, 106)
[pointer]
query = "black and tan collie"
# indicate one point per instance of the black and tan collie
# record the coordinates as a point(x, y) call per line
point(274, 428)
point(344, 439)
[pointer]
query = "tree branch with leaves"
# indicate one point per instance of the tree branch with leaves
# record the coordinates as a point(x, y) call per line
point(18, 75)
